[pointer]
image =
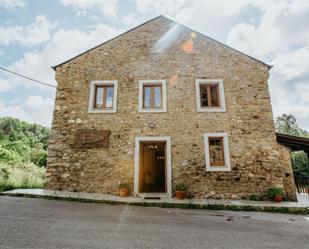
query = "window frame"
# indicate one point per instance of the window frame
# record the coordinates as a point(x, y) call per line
point(226, 153)
point(221, 95)
point(145, 83)
point(92, 96)
point(152, 95)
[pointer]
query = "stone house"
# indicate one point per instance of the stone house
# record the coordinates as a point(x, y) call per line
point(162, 104)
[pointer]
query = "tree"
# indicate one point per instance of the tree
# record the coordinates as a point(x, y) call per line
point(300, 163)
point(21, 142)
point(287, 124)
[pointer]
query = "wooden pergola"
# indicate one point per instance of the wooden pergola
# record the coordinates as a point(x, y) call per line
point(293, 142)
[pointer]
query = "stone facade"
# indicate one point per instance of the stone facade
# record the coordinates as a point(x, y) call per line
point(162, 49)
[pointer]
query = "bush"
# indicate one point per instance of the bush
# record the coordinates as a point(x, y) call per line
point(300, 163)
point(9, 156)
point(39, 158)
point(21, 142)
point(255, 197)
point(181, 187)
point(21, 176)
point(274, 191)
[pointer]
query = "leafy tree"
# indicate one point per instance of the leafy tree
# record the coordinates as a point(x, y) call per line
point(287, 124)
point(300, 163)
point(23, 142)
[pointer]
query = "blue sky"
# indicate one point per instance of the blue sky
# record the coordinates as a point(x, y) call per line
point(36, 34)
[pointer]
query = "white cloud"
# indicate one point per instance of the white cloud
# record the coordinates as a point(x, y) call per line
point(294, 64)
point(35, 109)
point(108, 7)
point(36, 64)
point(282, 39)
point(132, 19)
point(60, 47)
point(212, 17)
point(9, 4)
point(283, 26)
point(4, 85)
point(32, 34)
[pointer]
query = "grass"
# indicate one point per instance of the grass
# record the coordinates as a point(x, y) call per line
point(25, 175)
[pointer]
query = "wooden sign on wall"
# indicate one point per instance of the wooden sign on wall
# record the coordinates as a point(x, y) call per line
point(91, 138)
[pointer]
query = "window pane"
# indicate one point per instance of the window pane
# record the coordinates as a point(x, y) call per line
point(214, 95)
point(216, 152)
point(109, 97)
point(157, 100)
point(99, 97)
point(147, 91)
point(204, 95)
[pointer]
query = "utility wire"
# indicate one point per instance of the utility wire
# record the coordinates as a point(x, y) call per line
point(28, 78)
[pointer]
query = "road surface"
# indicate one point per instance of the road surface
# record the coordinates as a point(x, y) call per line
point(39, 223)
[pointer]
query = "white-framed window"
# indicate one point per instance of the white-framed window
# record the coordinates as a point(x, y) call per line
point(210, 95)
point(217, 154)
point(152, 96)
point(103, 96)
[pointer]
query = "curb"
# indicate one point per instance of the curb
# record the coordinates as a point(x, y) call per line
point(270, 209)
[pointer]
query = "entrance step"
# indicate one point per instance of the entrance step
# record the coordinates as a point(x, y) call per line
point(152, 198)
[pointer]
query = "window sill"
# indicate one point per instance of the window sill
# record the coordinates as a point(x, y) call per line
point(152, 110)
point(101, 111)
point(218, 168)
point(212, 109)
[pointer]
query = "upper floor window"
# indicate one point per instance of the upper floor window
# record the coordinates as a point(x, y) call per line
point(152, 96)
point(217, 152)
point(210, 95)
point(103, 96)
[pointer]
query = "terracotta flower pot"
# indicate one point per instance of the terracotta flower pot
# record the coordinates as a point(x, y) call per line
point(180, 195)
point(123, 192)
point(278, 198)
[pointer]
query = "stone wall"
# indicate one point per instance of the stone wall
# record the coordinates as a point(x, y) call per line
point(162, 49)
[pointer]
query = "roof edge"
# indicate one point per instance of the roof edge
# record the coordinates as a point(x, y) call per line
point(88, 50)
point(223, 44)
point(236, 50)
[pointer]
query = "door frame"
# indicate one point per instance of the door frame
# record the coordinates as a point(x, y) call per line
point(168, 164)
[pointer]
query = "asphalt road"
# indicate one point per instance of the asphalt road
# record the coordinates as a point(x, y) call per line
point(38, 223)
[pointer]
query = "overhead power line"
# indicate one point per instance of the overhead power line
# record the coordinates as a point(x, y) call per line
point(26, 77)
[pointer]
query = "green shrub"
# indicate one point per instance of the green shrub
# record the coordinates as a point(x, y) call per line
point(26, 175)
point(21, 142)
point(39, 157)
point(255, 197)
point(9, 156)
point(181, 187)
point(300, 163)
point(274, 191)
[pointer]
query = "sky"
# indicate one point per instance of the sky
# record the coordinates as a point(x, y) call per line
point(36, 34)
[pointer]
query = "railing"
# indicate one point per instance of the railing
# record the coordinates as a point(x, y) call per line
point(302, 183)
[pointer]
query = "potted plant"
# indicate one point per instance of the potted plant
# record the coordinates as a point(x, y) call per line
point(180, 191)
point(275, 194)
point(123, 189)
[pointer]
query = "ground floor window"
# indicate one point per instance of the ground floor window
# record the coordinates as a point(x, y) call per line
point(217, 152)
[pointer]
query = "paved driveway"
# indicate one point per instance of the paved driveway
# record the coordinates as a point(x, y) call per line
point(39, 223)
